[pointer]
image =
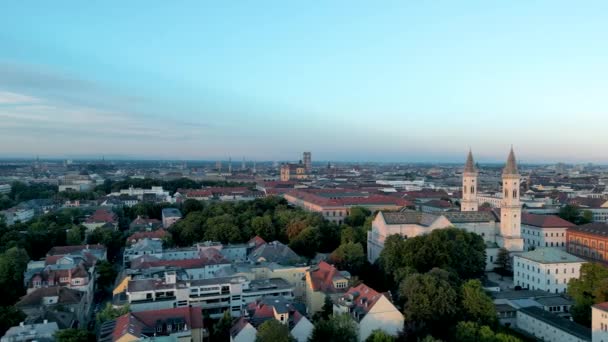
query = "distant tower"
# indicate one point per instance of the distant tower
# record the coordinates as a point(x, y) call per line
point(254, 170)
point(307, 162)
point(243, 167)
point(469, 185)
point(510, 208)
point(229, 164)
point(218, 166)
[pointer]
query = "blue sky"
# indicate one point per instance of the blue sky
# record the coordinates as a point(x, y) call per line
point(347, 80)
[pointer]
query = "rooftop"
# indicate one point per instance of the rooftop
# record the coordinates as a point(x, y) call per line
point(550, 256)
point(558, 322)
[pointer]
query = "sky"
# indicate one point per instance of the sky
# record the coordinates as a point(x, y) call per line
point(266, 80)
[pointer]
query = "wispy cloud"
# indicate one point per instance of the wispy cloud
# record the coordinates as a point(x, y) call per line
point(9, 98)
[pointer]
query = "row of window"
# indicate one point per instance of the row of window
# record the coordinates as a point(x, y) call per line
point(547, 244)
point(538, 279)
point(536, 233)
point(537, 269)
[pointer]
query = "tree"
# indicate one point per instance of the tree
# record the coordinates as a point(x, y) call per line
point(357, 216)
point(472, 332)
point(12, 265)
point(273, 331)
point(328, 308)
point(10, 317)
point(587, 217)
point(430, 301)
point(263, 227)
point(503, 259)
point(109, 313)
point(590, 288)
point(75, 235)
point(338, 328)
point(106, 274)
point(450, 249)
point(477, 306)
point(379, 336)
point(572, 213)
point(306, 243)
point(221, 329)
point(73, 335)
point(191, 205)
point(349, 256)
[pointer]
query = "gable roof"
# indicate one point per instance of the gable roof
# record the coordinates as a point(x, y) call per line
point(274, 252)
point(322, 277)
point(102, 215)
point(65, 296)
point(545, 221)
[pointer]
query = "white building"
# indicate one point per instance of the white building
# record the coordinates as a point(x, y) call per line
point(544, 231)
point(243, 331)
point(371, 311)
point(31, 332)
point(497, 231)
point(5, 188)
point(546, 326)
point(546, 269)
point(599, 322)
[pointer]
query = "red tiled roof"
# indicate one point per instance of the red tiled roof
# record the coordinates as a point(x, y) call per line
point(155, 234)
point(192, 315)
point(545, 221)
point(364, 297)
point(63, 250)
point(102, 215)
point(373, 199)
point(602, 306)
point(322, 277)
point(256, 241)
point(126, 324)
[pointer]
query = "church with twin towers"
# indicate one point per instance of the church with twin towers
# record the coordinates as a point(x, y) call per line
point(498, 227)
point(508, 234)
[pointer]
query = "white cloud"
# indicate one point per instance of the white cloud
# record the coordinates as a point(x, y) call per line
point(8, 98)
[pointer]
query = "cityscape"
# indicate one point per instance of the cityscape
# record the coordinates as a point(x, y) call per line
point(303, 172)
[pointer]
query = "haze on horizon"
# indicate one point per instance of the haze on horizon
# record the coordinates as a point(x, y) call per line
point(349, 81)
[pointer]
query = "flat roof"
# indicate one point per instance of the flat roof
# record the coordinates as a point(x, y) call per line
point(550, 255)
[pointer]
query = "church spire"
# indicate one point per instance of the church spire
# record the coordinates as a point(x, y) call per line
point(470, 164)
point(511, 167)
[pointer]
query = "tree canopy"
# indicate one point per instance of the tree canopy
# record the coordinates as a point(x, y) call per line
point(273, 331)
point(338, 328)
point(590, 288)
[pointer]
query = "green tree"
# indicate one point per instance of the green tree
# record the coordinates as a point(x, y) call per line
point(10, 317)
point(572, 213)
point(273, 331)
point(106, 274)
point(430, 338)
point(13, 263)
point(450, 248)
point(221, 329)
point(109, 313)
point(263, 227)
point(191, 205)
point(75, 235)
point(338, 328)
point(357, 216)
point(590, 288)
point(430, 301)
point(587, 217)
point(379, 336)
point(503, 259)
point(73, 335)
point(477, 306)
point(328, 308)
point(349, 256)
point(306, 243)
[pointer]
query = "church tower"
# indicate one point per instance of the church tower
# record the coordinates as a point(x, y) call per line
point(510, 208)
point(469, 185)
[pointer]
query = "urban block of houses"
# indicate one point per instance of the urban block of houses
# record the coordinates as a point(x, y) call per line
point(159, 234)
point(44, 331)
point(544, 231)
point(546, 269)
point(334, 204)
point(274, 252)
point(324, 280)
point(145, 224)
point(546, 326)
point(170, 216)
point(100, 218)
point(371, 311)
point(178, 324)
point(64, 306)
point(589, 241)
point(277, 308)
point(214, 295)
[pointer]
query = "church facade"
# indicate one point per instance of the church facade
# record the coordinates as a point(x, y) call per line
point(497, 228)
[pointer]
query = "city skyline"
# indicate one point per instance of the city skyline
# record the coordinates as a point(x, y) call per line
point(401, 82)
